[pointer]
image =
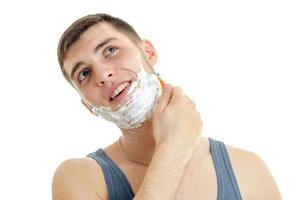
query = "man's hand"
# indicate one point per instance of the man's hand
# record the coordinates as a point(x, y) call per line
point(176, 122)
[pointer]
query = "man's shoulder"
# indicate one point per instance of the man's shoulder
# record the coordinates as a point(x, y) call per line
point(245, 161)
point(252, 173)
point(76, 165)
point(76, 177)
point(239, 155)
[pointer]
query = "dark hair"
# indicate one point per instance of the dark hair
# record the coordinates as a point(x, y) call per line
point(75, 30)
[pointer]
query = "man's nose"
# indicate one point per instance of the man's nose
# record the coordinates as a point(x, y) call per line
point(104, 76)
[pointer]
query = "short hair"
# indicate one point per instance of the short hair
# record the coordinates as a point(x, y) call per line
point(75, 30)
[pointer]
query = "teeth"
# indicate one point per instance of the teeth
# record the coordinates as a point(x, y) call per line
point(119, 89)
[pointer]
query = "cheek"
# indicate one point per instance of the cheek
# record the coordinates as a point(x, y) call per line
point(93, 96)
point(128, 61)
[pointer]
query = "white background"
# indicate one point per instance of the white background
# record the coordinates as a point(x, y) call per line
point(238, 60)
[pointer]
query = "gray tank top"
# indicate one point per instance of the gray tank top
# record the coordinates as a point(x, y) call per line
point(119, 188)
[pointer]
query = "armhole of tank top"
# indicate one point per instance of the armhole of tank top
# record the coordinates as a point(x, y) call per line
point(230, 170)
point(121, 175)
point(108, 166)
point(218, 164)
point(105, 171)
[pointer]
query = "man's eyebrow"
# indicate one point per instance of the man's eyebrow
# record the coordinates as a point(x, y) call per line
point(99, 46)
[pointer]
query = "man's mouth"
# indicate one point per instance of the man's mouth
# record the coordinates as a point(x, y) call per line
point(120, 92)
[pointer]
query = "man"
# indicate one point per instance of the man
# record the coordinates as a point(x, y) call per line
point(161, 153)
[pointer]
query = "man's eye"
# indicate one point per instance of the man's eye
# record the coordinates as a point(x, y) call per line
point(83, 74)
point(109, 51)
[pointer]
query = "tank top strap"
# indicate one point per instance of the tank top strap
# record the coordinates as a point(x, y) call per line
point(226, 181)
point(116, 182)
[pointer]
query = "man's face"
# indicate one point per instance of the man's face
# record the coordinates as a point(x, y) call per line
point(101, 60)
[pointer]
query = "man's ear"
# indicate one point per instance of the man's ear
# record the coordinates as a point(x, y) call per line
point(89, 107)
point(149, 51)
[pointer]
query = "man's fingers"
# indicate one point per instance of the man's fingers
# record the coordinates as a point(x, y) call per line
point(176, 93)
point(190, 100)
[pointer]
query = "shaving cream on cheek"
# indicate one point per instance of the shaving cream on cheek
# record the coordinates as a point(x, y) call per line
point(139, 103)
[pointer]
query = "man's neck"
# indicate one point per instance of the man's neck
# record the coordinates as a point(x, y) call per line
point(139, 143)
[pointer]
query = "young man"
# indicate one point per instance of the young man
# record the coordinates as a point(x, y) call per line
point(161, 153)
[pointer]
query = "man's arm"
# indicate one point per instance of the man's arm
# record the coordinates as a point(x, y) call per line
point(177, 129)
point(164, 174)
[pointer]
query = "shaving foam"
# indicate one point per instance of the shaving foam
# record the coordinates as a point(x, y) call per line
point(139, 104)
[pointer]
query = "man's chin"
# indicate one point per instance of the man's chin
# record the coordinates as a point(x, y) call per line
point(146, 124)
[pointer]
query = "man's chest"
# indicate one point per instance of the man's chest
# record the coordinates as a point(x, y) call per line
point(199, 180)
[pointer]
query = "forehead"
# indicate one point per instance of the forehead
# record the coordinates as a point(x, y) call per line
point(89, 40)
